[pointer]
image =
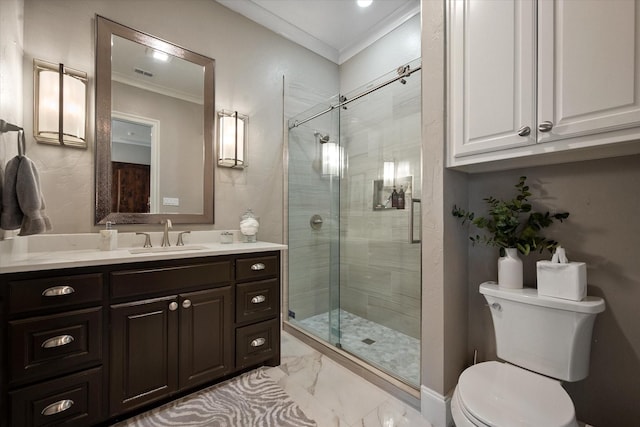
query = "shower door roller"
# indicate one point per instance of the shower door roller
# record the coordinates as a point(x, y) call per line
point(316, 222)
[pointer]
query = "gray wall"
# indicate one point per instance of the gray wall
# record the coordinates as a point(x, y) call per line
point(249, 79)
point(602, 230)
point(11, 39)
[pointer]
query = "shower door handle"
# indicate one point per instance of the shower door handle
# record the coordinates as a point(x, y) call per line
point(412, 237)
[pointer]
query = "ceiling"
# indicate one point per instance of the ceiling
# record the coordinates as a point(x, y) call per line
point(334, 29)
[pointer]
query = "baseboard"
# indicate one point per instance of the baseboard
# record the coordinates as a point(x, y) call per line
point(435, 407)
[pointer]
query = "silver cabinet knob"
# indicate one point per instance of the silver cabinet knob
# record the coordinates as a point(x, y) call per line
point(57, 407)
point(545, 126)
point(173, 306)
point(524, 131)
point(186, 303)
point(258, 266)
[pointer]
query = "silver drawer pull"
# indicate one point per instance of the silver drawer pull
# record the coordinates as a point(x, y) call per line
point(258, 342)
point(58, 341)
point(258, 266)
point(258, 299)
point(56, 291)
point(57, 407)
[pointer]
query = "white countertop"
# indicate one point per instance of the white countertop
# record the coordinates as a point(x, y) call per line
point(49, 252)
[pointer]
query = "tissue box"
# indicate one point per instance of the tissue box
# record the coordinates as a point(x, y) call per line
point(566, 281)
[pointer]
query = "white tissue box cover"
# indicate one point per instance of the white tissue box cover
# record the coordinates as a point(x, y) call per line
point(566, 281)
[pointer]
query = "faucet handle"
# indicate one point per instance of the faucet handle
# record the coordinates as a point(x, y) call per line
point(147, 239)
point(180, 242)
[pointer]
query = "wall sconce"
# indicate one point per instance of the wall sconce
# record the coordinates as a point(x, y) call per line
point(232, 139)
point(60, 104)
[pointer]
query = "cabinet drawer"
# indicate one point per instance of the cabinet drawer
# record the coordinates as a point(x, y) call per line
point(74, 400)
point(50, 345)
point(61, 291)
point(257, 343)
point(257, 268)
point(168, 279)
point(257, 300)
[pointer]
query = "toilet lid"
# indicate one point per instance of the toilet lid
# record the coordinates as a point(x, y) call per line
point(499, 394)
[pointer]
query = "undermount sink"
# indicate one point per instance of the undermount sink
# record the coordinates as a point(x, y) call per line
point(167, 249)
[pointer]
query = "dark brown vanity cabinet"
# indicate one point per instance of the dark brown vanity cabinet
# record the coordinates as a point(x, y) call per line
point(164, 345)
point(52, 353)
point(85, 345)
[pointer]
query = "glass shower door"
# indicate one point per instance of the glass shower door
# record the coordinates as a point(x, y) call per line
point(314, 172)
point(380, 250)
point(354, 233)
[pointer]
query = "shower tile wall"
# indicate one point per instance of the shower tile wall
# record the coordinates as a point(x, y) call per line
point(380, 269)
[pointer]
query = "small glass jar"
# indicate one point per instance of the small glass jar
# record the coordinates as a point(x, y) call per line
point(249, 226)
point(226, 237)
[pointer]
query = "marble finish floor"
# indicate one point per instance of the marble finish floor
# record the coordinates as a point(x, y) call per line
point(334, 396)
point(383, 347)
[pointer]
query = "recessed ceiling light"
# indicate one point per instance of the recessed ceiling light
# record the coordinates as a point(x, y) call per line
point(160, 56)
point(364, 3)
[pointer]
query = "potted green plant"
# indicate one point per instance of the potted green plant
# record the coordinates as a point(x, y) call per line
point(512, 226)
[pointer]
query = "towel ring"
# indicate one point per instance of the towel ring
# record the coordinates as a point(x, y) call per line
point(22, 146)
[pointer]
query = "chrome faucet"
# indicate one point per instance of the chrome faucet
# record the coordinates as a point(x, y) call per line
point(165, 236)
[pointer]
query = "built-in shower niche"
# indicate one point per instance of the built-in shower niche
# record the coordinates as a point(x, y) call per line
point(382, 193)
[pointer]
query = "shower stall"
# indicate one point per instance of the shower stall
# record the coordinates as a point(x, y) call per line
point(354, 201)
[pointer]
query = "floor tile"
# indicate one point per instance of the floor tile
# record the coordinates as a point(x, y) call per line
point(333, 395)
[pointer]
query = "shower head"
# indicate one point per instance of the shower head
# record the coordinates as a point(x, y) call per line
point(323, 139)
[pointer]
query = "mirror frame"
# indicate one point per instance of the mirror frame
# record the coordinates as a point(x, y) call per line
point(105, 29)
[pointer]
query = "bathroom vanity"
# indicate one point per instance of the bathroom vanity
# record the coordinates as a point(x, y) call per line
point(114, 333)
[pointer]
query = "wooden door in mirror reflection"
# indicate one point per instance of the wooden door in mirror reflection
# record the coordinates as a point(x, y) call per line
point(130, 188)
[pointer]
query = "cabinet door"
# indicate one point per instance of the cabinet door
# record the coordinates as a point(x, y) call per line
point(206, 347)
point(491, 76)
point(144, 352)
point(589, 67)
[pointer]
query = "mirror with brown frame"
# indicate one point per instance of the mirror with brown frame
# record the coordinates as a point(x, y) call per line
point(154, 129)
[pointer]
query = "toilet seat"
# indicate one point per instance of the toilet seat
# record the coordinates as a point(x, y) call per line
point(497, 394)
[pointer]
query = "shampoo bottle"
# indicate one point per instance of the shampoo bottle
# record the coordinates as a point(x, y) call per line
point(401, 198)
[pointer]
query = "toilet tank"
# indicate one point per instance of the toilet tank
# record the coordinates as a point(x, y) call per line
point(550, 336)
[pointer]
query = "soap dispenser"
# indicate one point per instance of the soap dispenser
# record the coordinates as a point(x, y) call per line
point(108, 238)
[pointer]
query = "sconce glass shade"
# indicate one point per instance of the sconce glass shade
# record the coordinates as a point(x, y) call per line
point(59, 119)
point(232, 139)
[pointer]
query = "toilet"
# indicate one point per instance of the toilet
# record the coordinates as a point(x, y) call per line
point(542, 341)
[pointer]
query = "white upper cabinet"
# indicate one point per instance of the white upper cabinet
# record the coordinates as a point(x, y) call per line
point(537, 81)
point(491, 63)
